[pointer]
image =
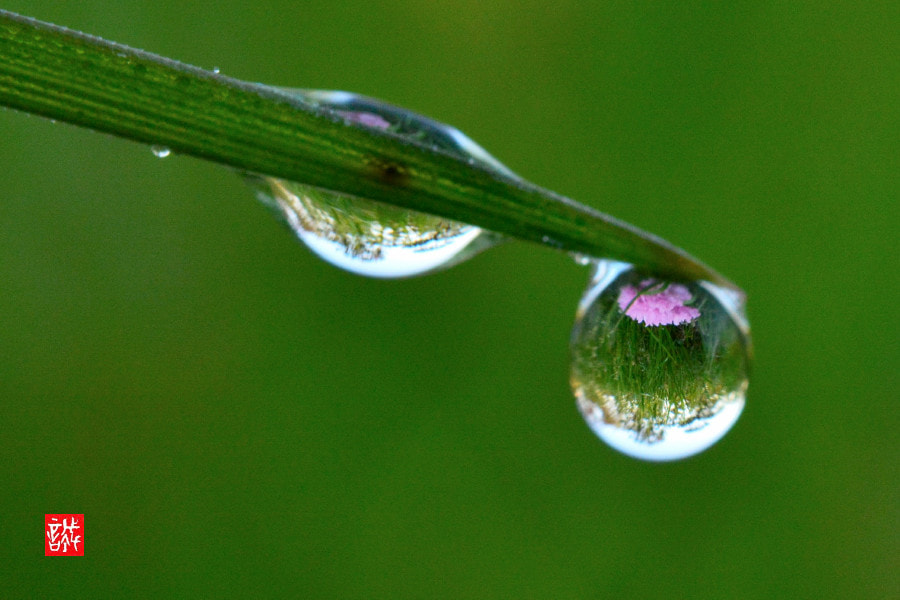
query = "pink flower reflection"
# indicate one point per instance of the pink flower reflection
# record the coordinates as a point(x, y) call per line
point(365, 118)
point(658, 305)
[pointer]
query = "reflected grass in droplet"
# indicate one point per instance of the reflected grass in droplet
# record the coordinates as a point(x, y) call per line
point(369, 238)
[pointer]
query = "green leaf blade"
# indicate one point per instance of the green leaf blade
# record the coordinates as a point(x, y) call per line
point(84, 80)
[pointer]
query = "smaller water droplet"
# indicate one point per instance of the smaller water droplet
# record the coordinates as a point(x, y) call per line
point(215, 70)
point(659, 369)
point(549, 241)
point(160, 151)
point(367, 237)
point(580, 259)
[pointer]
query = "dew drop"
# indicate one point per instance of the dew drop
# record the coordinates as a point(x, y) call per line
point(659, 369)
point(371, 238)
point(215, 70)
point(160, 151)
point(581, 259)
point(551, 242)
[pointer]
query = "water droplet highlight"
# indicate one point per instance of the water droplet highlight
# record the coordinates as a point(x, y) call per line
point(371, 238)
point(160, 151)
point(659, 369)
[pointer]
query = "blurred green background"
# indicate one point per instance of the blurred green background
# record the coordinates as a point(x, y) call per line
point(235, 417)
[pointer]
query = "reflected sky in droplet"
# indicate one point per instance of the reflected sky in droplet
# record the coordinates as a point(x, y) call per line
point(394, 262)
point(678, 442)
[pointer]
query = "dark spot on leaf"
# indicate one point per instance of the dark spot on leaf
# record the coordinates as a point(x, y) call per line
point(389, 172)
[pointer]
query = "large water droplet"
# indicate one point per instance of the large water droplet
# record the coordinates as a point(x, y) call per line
point(371, 238)
point(160, 151)
point(659, 369)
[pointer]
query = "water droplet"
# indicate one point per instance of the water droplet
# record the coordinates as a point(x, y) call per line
point(659, 369)
point(215, 70)
point(549, 241)
point(371, 238)
point(581, 259)
point(160, 151)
